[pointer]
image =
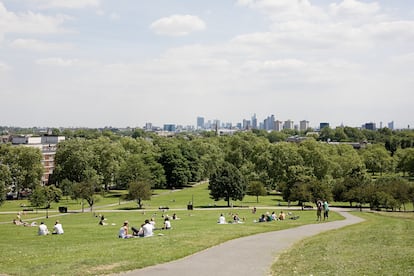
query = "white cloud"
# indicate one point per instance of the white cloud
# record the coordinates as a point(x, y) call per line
point(67, 4)
point(178, 25)
point(4, 67)
point(352, 8)
point(38, 45)
point(62, 62)
point(114, 16)
point(29, 22)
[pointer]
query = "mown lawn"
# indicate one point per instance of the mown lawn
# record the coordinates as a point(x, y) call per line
point(89, 249)
point(382, 245)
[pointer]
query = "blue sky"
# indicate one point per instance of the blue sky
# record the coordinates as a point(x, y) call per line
point(96, 63)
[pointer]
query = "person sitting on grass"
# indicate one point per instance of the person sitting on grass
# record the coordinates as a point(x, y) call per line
point(167, 224)
point(123, 231)
point(282, 215)
point(57, 229)
point(43, 231)
point(222, 219)
point(262, 218)
point(147, 229)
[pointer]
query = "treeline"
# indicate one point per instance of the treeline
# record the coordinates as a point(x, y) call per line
point(254, 161)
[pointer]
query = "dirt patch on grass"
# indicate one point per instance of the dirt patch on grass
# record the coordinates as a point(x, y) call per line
point(105, 268)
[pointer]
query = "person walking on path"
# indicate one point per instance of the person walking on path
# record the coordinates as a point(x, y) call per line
point(325, 210)
point(319, 208)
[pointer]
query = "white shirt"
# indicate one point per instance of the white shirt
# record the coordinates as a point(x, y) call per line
point(58, 229)
point(148, 230)
point(167, 224)
point(43, 230)
point(222, 220)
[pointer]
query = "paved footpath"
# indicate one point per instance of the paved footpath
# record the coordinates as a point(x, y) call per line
point(252, 255)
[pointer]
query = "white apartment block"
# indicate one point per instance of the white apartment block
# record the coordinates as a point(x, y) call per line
point(47, 145)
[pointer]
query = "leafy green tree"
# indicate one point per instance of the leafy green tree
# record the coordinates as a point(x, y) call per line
point(5, 178)
point(256, 188)
point(74, 160)
point(315, 156)
point(86, 190)
point(139, 190)
point(377, 159)
point(282, 156)
point(176, 166)
point(405, 160)
point(109, 155)
point(227, 183)
point(23, 166)
point(44, 195)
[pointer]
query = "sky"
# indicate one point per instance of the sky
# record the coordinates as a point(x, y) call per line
point(97, 63)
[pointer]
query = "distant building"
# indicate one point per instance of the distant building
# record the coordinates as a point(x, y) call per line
point(200, 123)
point(278, 125)
point(148, 126)
point(254, 122)
point(47, 145)
point(288, 124)
point(370, 126)
point(323, 125)
point(247, 124)
point(391, 125)
point(169, 127)
point(303, 125)
point(269, 122)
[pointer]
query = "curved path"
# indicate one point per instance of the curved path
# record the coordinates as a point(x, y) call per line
point(252, 255)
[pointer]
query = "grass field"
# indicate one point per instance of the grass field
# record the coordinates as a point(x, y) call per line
point(382, 245)
point(89, 249)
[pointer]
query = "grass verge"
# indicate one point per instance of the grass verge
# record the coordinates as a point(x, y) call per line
point(382, 245)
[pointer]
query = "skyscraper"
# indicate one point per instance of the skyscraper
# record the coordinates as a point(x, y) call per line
point(200, 122)
point(303, 125)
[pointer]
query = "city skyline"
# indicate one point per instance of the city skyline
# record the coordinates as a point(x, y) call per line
point(95, 63)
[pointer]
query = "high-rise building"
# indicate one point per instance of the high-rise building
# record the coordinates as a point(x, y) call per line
point(247, 124)
point(278, 125)
point(303, 125)
point(323, 125)
point(254, 121)
point(169, 127)
point(391, 125)
point(370, 126)
point(200, 122)
point(269, 122)
point(288, 124)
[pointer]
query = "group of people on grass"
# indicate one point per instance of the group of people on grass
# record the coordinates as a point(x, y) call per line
point(43, 230)
point(146, 229)
point(272, 217)
point(234, 219)
point(322, 207)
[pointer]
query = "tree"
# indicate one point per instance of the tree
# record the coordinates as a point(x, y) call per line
point(227, 183)
point(86, 190)
point(44, 195)
point(377, 159)
point(256, 188)
point(139, 190)
point(24, 166)
point(405, 160)
point(176, 166)
point(5, 178)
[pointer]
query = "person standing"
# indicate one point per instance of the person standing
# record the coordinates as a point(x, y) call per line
point(319, 207)
point(325, 210)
